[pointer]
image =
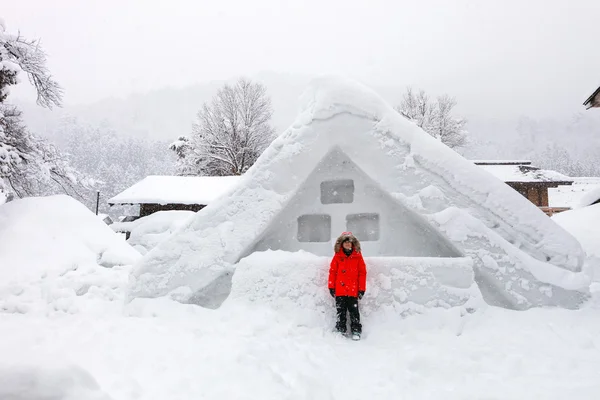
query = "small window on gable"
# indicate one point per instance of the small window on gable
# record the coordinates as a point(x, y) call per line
point(340, 191)
point(314, 228)
point(364, 226)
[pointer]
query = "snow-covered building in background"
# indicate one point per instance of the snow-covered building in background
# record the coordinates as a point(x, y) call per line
point(431, 222)
point(584, 191)
point(166, 193)
point(531, 181)
point(593, 100)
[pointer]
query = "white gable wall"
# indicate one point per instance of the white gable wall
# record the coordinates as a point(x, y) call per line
point(401, 232)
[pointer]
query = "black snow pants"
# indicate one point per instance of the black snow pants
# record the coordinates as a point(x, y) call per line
point(347, 304)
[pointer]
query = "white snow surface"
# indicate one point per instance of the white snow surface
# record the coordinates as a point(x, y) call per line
point(512, 173)
point(44, 240)
point(156, 349)
point(297, 283)
point(583, 224)
point(590, 197)
point(342, 117)
point(583, 192)
point(272, 338)
point(51, 382)
point(158, 189)
point(147, 232)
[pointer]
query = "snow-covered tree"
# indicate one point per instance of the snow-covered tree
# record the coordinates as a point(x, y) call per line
point(30, 165)
point(434, 117)
point(18, 54)
point(230, 133)
point(114, 159)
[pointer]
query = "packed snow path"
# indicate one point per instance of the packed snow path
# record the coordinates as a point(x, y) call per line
point(165, 350)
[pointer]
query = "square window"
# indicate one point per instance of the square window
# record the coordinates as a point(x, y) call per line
point(364, 226)
point(314, 228)
point(340, 191)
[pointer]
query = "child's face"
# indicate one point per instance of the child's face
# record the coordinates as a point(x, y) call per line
point(347, 245)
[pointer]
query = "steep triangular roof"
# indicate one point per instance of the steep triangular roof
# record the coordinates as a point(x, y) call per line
point(521, 257)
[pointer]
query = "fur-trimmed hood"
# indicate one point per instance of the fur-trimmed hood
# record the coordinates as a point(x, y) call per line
point(342, 238)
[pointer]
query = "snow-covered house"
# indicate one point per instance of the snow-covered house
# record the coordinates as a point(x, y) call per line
point(583, 192)
point(531, 181)
point(166, 193)
point(431, 222)
point(593, 100)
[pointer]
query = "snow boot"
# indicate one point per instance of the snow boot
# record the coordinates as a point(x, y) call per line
point(355, 335)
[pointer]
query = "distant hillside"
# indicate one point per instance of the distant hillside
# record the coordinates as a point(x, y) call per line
point(168, 113)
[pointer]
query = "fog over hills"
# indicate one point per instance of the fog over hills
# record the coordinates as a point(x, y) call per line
point(168, 113)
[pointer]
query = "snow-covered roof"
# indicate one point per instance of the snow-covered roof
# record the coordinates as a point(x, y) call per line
point(583, 192)
point(162, 189)
point(523, 173)
point(521, 256)
point(502, 162)
point(593, 100)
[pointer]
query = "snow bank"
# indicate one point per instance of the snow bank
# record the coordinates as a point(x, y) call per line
point(590, 197)
point(297, 283)
point(33, 382)
point(584, 224)
point(342, 117)
point(53, 249)
point(148, 232)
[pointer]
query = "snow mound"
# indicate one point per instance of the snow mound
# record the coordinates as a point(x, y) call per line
point(52, 250)
point(148, 232)
point(297, 283)
point(33, 382)
point(583, 224)
point(432, 185)
point(590, 197)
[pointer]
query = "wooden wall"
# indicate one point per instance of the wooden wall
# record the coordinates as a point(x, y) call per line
point(147, 209)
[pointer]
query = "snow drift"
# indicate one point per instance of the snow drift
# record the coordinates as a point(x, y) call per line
point(34, 382)
point(148, 232)
point(47, 240)
point(583, 224)
point(520, 257)
point(297, 283)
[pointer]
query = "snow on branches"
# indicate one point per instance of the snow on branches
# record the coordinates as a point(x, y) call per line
point(29, 165)
point(434, 118)
point(230, 133)
point(18, 54)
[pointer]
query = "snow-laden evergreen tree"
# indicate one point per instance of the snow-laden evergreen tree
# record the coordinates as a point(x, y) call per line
point(30, 165)
point(230, 133)
point(434, 117)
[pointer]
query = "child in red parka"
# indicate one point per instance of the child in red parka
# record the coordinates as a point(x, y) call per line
point(347, 282)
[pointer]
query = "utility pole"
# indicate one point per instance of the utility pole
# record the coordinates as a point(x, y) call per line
point(97, 201)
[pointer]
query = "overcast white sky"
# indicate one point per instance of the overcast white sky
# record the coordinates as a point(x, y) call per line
point(505, 57)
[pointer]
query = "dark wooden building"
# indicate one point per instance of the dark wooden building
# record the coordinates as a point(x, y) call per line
point(167, 193)
point(593, 101)
point(532, 182)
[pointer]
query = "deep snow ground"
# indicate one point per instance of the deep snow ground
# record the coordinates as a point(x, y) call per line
point(66, 333)
point(159, 349)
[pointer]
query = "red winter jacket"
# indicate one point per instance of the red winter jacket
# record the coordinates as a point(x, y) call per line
point(347, 274)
